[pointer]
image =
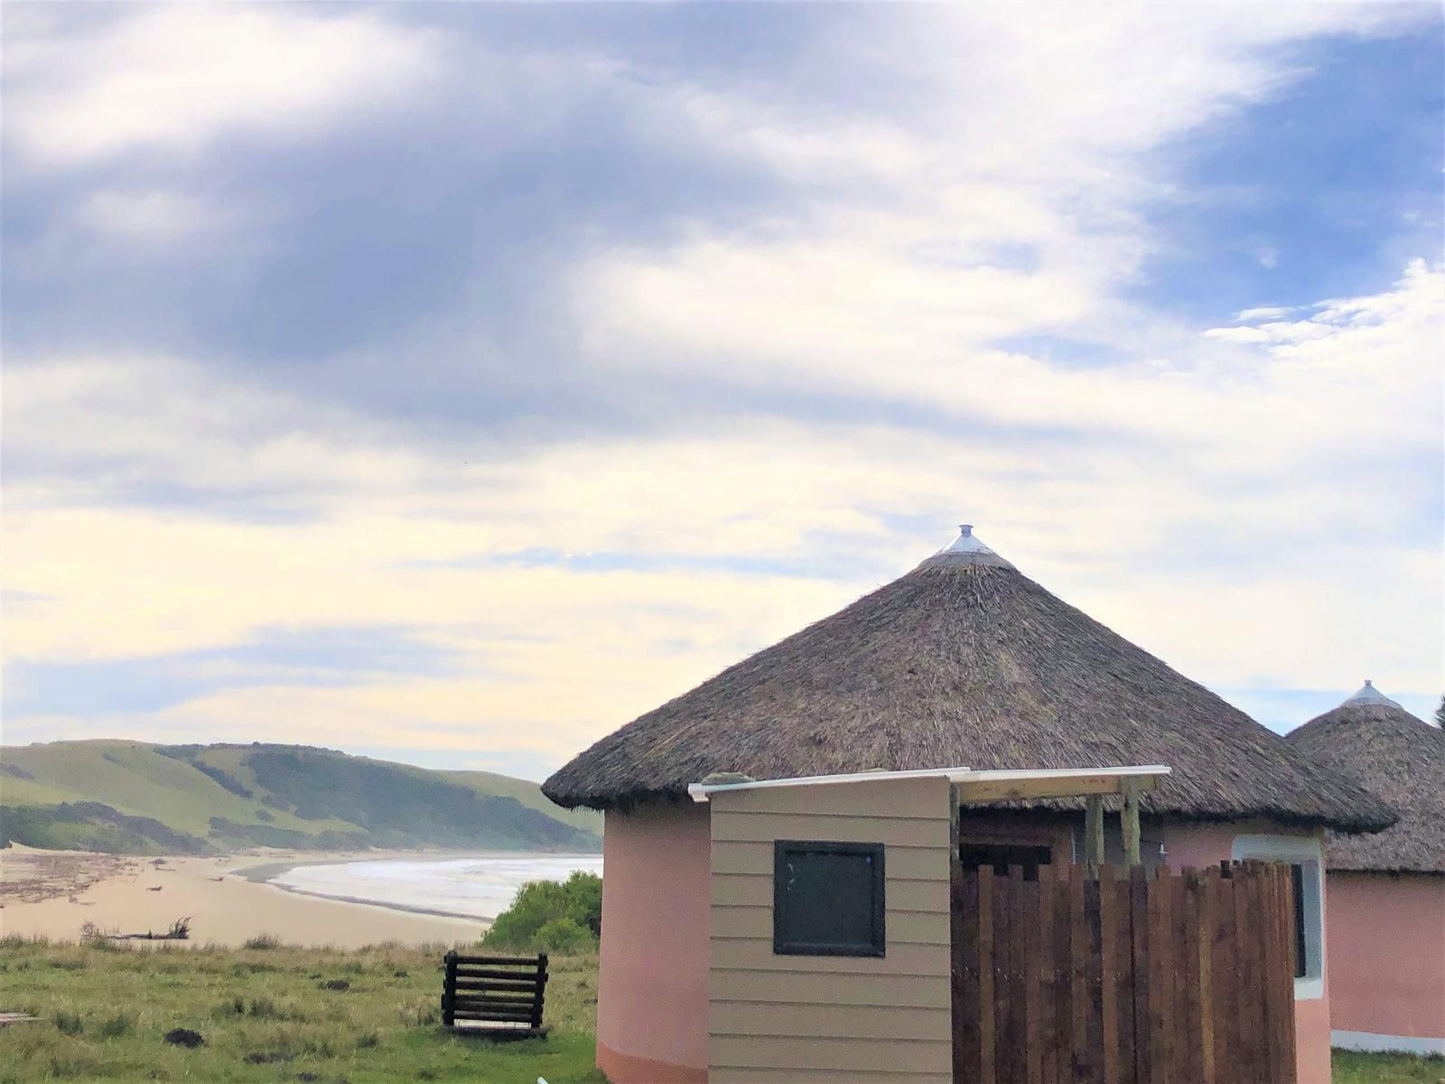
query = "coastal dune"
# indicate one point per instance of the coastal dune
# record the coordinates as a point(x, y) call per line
point(56, 894)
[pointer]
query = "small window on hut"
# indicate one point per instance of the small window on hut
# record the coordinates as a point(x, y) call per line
point(1301, 919)
point(827, 899)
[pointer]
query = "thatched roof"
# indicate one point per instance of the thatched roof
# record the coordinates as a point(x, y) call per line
point(964, 661)
point(1381, 746)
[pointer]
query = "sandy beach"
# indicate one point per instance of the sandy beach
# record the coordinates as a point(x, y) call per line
point(56, 893)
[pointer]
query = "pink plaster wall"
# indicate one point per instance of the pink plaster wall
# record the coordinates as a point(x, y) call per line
point(1206, 845)
point(1385, 943)
point(652, 1007)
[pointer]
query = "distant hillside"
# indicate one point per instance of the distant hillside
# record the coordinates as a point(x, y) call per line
point(129, 797)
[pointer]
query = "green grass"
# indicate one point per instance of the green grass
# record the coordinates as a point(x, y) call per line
point(266, 1015)
point(1348, 1067)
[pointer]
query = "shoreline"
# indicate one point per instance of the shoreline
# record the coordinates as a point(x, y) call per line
point(357, 901)
point(57, 894)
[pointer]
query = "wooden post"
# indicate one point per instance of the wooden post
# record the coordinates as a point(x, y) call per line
point(538, 996)
point(449, 990)
point(1129, 822)
point(1094, 832)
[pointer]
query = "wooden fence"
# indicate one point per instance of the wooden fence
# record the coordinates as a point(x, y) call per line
point(1135, 977)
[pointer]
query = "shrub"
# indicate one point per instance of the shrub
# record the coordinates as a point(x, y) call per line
point(564, 937)
point(540, 905)
point(116, 1026)
point(262, 941)
point(69, 1023)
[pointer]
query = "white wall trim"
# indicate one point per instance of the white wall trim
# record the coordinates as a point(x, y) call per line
point(1368, 1040)
point(1306, 850)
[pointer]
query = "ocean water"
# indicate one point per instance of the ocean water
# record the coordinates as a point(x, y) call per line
point(478, 887)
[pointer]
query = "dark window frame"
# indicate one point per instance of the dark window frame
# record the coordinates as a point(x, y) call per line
point(878, 940)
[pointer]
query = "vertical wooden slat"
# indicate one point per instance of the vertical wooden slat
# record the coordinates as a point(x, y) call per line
point(1079, 1002)
point(967, 1009)
point(1161, 987)
point(1270, 958)
point(1250, 948)
point(1109, 915)
point(1204, 886)
point(1063, 1052)
point(1226, 978)
point(1123, 966)
point(1139, 936)
point(1288, 1067)
point(987, 1018)
point(1049, 913)
point(1034, 990)
point(1186, 968)
point(1004, 993)
point(1093, 971)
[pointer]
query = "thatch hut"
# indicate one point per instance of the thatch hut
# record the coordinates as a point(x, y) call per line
point(1385, 941)
point(963, 661)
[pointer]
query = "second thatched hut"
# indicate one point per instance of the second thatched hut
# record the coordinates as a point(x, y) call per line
point(1385, 940)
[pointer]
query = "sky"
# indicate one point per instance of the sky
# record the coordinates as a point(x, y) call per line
point(454, 383)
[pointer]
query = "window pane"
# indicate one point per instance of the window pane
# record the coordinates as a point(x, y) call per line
point(828, 898)
point(1297, 878)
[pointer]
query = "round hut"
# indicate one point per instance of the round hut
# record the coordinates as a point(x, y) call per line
point(963, 661)
point(1386, 893)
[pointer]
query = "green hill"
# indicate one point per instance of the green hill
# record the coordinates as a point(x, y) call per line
point(134, 798)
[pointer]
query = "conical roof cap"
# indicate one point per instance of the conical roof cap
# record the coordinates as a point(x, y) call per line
point(964, 660)
point(1368, 694)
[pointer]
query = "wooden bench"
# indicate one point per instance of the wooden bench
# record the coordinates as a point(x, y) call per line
point(496, 996)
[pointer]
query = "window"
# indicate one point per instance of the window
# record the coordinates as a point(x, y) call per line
point(1303, 856)
point(1301, 942)
point(827, 899)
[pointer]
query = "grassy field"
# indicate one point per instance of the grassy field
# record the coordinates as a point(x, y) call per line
point(1351, 1068)
point(266, 1015)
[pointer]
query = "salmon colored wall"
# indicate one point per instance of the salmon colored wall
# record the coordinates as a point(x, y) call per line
point(653, 963)
point(1386, 948)
point(1208, 844)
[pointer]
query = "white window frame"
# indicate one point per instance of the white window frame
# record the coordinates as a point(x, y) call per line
point(1306, 852)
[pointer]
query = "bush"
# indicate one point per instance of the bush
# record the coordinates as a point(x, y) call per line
point(564, 937)
point(116, 1026)
point(263, 941)
point(569, 912)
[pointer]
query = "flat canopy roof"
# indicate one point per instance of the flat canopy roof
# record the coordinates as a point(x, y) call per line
point(975, 786)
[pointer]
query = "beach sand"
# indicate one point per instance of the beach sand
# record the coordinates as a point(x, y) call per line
point(56, 893)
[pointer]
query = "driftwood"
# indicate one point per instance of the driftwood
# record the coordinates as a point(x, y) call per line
point(180, 931)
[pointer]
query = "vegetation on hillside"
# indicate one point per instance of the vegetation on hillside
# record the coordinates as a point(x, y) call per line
point(551, 916)
point(134, 798)
point(267, 1013)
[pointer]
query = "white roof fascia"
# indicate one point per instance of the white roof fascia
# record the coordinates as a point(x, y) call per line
point(701, 792)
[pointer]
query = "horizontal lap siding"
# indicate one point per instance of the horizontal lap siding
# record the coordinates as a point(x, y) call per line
point(800, 1018)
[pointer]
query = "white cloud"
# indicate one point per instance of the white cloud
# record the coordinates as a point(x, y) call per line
point(176, 76)
point(1207, 493)
point(154, 216)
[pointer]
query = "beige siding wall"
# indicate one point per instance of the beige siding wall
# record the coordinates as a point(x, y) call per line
point(820, 1018)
